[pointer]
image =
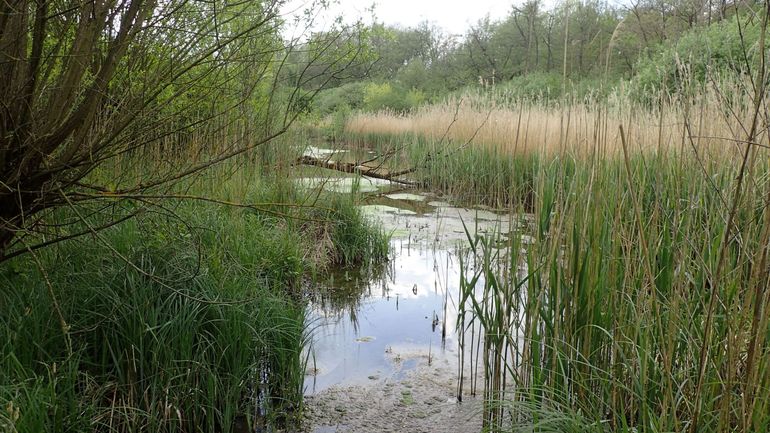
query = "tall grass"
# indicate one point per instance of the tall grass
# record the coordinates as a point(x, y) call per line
point(580, 127)
point(482, 148)
point(484, 151)
point(604, 324)
point(188, 317)
point(641, 303)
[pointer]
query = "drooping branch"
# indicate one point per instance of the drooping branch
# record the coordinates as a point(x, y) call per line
point(100, 85)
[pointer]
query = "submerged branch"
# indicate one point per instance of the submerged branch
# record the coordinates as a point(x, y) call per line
point(351, 167)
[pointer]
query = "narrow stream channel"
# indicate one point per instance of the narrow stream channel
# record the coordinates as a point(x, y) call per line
point(376, 329)
point(382, 326)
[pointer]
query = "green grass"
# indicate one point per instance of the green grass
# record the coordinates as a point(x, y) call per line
point(600, 321)
point(471, 175)
point(188, 317)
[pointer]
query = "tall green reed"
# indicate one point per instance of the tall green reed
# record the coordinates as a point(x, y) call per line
point(603, 313)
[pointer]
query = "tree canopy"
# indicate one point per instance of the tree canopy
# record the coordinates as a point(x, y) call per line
point(89, 85)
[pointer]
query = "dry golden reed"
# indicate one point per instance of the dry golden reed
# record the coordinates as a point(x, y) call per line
point(582, 128)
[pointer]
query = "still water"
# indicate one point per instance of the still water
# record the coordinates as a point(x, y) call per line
point(382, 322)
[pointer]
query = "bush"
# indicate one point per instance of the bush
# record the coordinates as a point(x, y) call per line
point(348, 96)
point(684, 67)
point(545, 88)
point(387, 96)
point(534, 86)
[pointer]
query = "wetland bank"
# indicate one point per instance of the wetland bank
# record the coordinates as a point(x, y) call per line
point(251, 216)
point(384, 348)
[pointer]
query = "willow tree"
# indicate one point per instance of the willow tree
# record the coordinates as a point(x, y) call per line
point(87, 83)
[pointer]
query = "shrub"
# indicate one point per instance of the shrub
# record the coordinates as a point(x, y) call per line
point(387, 96)
point(346, 97)
point(683, 67)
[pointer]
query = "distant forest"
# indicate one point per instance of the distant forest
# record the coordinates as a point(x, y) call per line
point(584, 48)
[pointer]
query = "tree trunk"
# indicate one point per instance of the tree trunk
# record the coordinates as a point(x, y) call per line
point(351, 167)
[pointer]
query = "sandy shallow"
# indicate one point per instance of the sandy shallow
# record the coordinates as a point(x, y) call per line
point(420, 399)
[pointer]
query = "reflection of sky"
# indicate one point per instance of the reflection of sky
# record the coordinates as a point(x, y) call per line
point(397, 319)
point(391, 316)
point(343, 184)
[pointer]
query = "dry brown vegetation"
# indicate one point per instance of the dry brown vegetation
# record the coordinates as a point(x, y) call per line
point(707, 122)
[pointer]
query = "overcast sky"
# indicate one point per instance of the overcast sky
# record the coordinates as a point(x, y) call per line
point(454, 16)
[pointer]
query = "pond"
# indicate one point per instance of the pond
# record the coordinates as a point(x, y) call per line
point(393, 327)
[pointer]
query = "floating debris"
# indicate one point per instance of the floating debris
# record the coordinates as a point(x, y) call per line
point(406, 196)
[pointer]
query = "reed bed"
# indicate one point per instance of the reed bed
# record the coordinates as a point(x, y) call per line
point(582, 128)
point(639, 301)
point(485, 148)
point(600, 323)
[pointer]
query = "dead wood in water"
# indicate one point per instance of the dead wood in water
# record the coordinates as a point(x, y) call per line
point(352, 167)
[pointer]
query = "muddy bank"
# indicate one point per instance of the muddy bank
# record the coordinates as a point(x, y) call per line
point(421, 399)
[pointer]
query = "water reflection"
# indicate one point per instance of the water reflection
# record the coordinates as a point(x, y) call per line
point(373, 323)
point(365, 326)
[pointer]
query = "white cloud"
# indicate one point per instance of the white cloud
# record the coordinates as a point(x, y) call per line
point(454, 16)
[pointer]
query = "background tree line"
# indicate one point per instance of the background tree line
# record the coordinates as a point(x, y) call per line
point(536, 51)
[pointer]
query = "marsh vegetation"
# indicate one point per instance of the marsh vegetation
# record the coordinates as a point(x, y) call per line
point(634, 296)
point(183, 199)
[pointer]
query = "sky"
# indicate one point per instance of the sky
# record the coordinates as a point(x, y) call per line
point(454, 16)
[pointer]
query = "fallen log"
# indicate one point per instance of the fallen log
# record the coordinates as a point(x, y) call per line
point(352, 167)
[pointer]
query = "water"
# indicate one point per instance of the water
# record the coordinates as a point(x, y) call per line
point(381, 322)
point(401, 313)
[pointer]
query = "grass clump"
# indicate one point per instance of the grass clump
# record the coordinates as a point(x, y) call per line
point(188, 317)
point(601, 319)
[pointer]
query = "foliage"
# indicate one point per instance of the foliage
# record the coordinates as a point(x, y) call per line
point(726, 48)
point(186, 319)
point(387, 96)
point(533, 86)
point(575, 50)
point(347, 97)
point(186, 85)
